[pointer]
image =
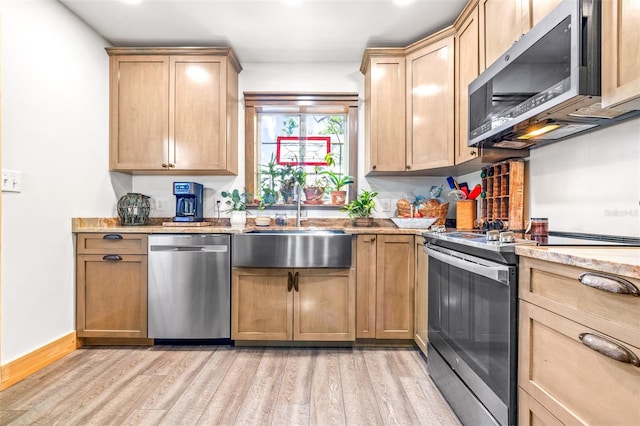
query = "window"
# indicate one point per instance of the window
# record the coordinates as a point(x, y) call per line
point(309, 139)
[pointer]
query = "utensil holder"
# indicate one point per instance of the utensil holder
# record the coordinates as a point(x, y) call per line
point(466, 211)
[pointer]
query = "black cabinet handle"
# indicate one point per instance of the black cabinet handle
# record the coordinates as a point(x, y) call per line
point(112, 237)
point(112, 257)
point(295, 282)
point(289, 281)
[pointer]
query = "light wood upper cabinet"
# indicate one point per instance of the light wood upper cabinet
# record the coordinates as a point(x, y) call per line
point(174, 112)
point(620, 59)
point(469, 63)
point(111, 286)
point(430, 112)
point(385, 286)
point(384, 75)
point(532, 11)
point(293, 304)
point(500, 27)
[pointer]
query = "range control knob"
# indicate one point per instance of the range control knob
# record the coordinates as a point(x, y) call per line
point(507, 237)
point(493, 235)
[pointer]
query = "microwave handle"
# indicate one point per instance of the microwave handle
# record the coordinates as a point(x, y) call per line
point(493, 271)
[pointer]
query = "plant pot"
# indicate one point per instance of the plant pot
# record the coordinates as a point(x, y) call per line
point(363, 221)
point(238, 218)
point(313, 193)
point(338, 197)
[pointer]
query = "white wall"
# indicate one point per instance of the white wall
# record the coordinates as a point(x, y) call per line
point(289, 77)
point(590, 183)
point(55, 131)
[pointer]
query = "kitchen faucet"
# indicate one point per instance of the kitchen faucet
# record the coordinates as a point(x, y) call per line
point(297, 189)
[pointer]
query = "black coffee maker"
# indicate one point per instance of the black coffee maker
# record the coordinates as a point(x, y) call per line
point(189, 197)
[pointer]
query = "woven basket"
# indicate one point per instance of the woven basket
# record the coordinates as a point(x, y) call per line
point(431, 208)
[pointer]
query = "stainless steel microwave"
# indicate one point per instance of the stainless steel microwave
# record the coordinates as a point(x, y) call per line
point(546, 87)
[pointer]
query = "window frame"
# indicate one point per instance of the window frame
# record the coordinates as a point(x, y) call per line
point(254, 102)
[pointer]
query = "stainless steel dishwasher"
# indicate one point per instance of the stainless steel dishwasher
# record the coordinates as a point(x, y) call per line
point(189, 286)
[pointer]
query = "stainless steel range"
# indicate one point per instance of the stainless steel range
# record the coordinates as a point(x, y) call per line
point(473, 323)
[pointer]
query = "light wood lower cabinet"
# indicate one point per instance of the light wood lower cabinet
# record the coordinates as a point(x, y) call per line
point(421, 323)
point(577, 345)
point(385, 286)
point(293, 304)
point(111, 285)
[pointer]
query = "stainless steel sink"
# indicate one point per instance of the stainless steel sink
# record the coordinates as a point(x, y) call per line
point(292, 248)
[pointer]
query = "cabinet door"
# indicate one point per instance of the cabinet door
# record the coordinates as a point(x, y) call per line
point(430, 94)
point(366, 287)
point(261, 304)
point(534, 10)
point(394, 287)
point(324, 305)
point(198, 112)
point(385, 115)
point(620, 59)
point(500, 27)
point(576, 384)
point(421, 296)
point(139, 109)
point(468, 66)
point(111, 295)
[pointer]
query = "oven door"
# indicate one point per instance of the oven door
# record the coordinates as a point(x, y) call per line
point(473, 326)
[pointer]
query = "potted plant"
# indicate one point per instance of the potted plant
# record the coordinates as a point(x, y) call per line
point(268, 181)
point(237, 206)
point(316, 187)
point(361, 208)
point(336, 183)
point(288, 177)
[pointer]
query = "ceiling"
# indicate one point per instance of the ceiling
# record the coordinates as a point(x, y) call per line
point(268, 30)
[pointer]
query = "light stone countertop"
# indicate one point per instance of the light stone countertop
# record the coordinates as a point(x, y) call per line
point(619, 260)
point(380, 226)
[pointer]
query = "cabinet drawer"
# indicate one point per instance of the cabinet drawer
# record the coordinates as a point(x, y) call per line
point(577, 384)
point(112, 243)
point(531, 413)
point(557, 287)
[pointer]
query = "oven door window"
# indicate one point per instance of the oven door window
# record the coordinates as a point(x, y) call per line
point(471, 315)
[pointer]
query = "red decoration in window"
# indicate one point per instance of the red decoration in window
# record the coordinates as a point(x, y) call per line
point(315, 149)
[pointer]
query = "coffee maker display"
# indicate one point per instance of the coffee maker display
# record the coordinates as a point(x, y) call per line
point(189, 197)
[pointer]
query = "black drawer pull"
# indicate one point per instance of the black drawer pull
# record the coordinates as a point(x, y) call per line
point(112, 257)
point(289, 281)
point(608, 348)
point(608, 283)
point(112, 237)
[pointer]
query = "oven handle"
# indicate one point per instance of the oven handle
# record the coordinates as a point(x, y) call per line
point(491, 270)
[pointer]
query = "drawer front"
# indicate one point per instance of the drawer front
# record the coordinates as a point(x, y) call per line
point(577, 384)
point(114, 243)
point(557, 287)
point(531, 413)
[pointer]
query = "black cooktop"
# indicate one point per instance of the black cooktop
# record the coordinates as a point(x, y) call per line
point(576, 239)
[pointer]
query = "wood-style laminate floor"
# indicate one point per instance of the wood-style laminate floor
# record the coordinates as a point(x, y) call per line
point(221, 385)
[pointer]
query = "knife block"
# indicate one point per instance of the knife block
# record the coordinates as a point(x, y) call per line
point(466, 213)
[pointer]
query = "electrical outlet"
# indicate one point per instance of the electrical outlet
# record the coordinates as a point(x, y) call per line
point(11, 181)
point(160, 203)
point(386, 205)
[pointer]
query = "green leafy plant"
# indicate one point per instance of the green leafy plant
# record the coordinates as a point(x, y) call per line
point(337, 182)
point(235, 200)
point(270, 174)
point(362, 206)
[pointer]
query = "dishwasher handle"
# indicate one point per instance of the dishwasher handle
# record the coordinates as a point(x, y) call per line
point(209, 249)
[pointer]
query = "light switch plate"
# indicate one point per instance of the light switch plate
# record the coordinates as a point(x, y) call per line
point(11, 181)
point(386, 205)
